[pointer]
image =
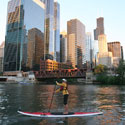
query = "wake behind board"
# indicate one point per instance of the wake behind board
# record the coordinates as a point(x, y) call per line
point(59, 114)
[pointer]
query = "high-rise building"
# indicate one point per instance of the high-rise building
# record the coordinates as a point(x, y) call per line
point(115, 48)
point(89, 50)
point(95, 51)
point(76, 31)
point(23, 15)
point(49, 30)
point(71, 50)
point(35, 48)
point(57, 31)
point(1, 55)
point(88, 47)
point(102, 43)
point(122, 55)
point(104, 57)
point(63, 47)
point(100, 28)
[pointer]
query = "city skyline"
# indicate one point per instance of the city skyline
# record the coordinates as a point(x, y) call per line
point(87, 12)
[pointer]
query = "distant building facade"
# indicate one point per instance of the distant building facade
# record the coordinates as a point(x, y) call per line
point(104, 57)
point(122, 55)
point(100, 28)
point(20, 19)
point(89, 49)
point(57, 31)
point(35, 48)
point(95, 51)
point(98, 31)
point(50, 65)
point(63, 47)
point(76, 36)
point(1, 56)
point(71, 50)
point(102, 43)
point(115, 48)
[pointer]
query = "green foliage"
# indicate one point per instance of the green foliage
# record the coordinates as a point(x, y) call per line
point(100, 69)
point(121, 71)
point(105, 79)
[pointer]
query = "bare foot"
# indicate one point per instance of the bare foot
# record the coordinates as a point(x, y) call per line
point(65, 113)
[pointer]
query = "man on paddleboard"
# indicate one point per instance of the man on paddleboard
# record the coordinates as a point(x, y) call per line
point(64, 89)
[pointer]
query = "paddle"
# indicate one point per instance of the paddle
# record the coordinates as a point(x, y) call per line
point(52, 99)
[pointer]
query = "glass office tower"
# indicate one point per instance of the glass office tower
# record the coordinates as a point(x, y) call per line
point(57, 31)
point(23, 15)
point(49, 32)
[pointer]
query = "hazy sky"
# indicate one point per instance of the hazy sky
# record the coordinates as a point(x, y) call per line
point(86, 11)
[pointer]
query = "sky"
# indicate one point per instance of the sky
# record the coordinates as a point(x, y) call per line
point(87, 11)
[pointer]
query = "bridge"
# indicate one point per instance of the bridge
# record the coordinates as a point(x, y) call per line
point(62, 73)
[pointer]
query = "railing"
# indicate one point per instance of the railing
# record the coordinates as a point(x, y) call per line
point(63, 73)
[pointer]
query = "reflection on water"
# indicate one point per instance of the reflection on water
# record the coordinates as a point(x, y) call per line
point(86, 98)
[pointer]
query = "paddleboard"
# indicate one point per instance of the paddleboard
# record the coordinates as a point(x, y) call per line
point(59, 114)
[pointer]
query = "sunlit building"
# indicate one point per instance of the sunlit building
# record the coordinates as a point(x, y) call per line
point(102, 43)
point(76, 36)
point(22, 16)
point(98, 31)
point(50, 65)
point(63, 47)
point(115, 48)
point(104, 57)
point(71, 50)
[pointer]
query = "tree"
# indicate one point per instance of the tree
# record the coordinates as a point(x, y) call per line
point(100, 69)
point(121, 71)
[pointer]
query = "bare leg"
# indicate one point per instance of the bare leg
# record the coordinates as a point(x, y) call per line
point(66, 109)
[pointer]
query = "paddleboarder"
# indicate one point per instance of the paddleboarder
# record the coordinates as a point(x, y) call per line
point(64, 89)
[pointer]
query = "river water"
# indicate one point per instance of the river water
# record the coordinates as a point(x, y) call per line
point(83, 98)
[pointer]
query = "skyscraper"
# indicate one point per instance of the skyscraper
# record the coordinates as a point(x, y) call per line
point(57, 31)
point(115, 48)
point(122, 55)
point(35, 48)
point(63, 47)
point(104, 57)
point(89, 50)
point(52, 30)
point(88, 46)
point(1, 55)
point(71, 50)
point(76, 34)
point(102, 43)
point(100, 28)
point(49, 30)
point(20, 19)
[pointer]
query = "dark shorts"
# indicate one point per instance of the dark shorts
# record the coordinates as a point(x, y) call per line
point(65, 99)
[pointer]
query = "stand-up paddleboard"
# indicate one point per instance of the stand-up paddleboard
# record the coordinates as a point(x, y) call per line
point(59, 114)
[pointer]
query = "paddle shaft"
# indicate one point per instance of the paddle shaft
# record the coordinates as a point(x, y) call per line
point(52, 99)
